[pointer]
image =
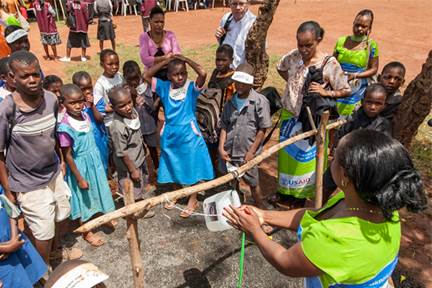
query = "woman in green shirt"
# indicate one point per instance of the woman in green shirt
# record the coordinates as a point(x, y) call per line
point(353, 241)
point(358, 56)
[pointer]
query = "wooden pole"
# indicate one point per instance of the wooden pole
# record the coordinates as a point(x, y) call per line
point(181, 193)
point(132, 236)
point(320, 158)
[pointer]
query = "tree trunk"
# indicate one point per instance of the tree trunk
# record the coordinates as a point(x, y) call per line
point(415, 106)
point(256, 54)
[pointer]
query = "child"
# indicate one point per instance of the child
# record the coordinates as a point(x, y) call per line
point(85, 172)
point(104, 10)
point(83, 80)
point(145, 106)
point(127, 142)
point(20, 264)
point(367, 117)
point(7, 88)
point(53, 84)
point(245, 119)
point(392, 78)
point(78, 37)
point(45, 17)
point(221, 88)
point(184, 156)
point(221, 76)
point(110, 79)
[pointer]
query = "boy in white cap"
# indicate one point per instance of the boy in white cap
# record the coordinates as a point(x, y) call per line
point(244, 121)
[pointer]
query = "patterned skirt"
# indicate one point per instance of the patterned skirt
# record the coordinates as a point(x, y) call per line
point(50, 39)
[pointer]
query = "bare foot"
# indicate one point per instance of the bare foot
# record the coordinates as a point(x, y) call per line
point(190, 209)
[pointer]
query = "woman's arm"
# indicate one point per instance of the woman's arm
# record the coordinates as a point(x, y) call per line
point(147, 59)
point(14, 243)
point(371, 70)
point(202, 74)
point(67, 154)
point(291, 262)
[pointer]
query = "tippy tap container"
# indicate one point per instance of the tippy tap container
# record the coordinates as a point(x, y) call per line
point(214, 207)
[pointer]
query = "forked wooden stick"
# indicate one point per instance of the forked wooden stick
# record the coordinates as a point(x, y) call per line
point(181, 193)
point(132, 236)
point(320, 157)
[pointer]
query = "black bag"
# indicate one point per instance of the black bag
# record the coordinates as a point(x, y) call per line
point(316, 103)
point(70, 18)
point(208, 114)
point(163, 72)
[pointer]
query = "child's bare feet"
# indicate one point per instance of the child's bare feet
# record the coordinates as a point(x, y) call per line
point(93, 239)
point(111, 225)
point(170, 205)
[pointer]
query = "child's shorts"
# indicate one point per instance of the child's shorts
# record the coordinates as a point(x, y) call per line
point(139, 187)
point(43, 207)
point(251, 177)
point(151, 140)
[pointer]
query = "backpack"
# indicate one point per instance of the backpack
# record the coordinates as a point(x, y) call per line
point(225, 27)
point(275, 103)
point(208, 113)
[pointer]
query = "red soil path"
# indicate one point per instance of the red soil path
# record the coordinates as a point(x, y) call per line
point(402, 30)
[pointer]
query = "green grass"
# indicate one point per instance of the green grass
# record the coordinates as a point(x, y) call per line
point(421, 147)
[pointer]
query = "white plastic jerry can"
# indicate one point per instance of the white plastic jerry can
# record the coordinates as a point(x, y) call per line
point(214, 206)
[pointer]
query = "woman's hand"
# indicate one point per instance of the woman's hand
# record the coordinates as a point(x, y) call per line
point(83, 184)
point(12, 245)
point(317, 88)
point(246, 218)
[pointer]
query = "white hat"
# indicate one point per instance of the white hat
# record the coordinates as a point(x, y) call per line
point(15, 35)
point(84, 275)
point(243, 77)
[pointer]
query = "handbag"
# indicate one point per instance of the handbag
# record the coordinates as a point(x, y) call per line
point(70, 19)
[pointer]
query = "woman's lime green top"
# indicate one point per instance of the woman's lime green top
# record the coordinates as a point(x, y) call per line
point(358, 58)
point(350, 251)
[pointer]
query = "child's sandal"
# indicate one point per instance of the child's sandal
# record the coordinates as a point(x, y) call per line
point(93, 240)
point(189, 211)
point(169, 205)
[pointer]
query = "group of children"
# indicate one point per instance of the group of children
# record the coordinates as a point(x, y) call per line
point(105, 130)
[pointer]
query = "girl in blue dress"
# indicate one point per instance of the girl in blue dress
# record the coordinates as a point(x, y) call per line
point(85, 175)
point(84, 81)
point(184, 156)
point(20, 264)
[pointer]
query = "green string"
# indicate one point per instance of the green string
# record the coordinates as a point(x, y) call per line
point(241, 264)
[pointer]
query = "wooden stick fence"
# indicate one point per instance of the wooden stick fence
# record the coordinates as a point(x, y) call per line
point(131, 209)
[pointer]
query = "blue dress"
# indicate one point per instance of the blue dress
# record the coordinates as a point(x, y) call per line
point(98, 198)
point(184, 156)
point(101, 137)
point(24, 267)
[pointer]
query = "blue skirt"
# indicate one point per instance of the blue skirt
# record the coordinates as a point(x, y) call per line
point(184, 156)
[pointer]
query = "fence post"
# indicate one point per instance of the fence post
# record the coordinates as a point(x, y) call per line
point(132, 236)
point(320, 157)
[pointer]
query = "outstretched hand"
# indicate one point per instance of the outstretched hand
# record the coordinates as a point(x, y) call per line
point(245, 218)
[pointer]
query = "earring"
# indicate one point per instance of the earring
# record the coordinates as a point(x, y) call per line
point(343, 183)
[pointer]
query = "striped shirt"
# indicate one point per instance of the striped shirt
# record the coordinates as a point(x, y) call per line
point(31, 158)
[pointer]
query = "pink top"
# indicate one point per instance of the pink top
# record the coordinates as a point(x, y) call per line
point(148, 47)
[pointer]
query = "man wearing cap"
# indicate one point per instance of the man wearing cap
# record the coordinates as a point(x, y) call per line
point(244, 121)
point(234, 28)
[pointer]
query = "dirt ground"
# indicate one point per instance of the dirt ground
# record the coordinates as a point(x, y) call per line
point(183, 253)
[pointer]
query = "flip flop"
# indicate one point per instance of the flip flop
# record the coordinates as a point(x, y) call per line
point(93, 240)
point(189, 211)
point(169, 205)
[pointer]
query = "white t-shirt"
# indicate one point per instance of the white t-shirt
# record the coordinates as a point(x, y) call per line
point(236, 35)
point(100, 93)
